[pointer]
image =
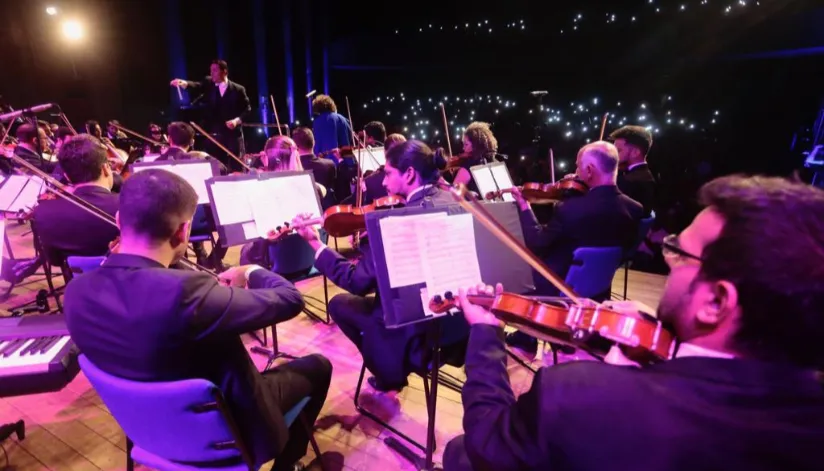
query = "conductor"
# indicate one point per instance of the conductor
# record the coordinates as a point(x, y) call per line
point(225, 106)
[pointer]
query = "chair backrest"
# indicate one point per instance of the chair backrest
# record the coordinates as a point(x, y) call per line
point(201, 226)
point(643, 228)
point(184, 421)
point(293, 255)
point(79, 265)
point(593, 269)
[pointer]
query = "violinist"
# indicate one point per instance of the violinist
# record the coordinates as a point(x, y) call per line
point(412, 169)
point(742, 391)
point(29, 149)
point(61, 136)
point(375, 133)
point(323, 170)
point(135, 318)
point(63, 228)
point(479, 147)
point(603, 217)
point(634, 177)
point(156, 134)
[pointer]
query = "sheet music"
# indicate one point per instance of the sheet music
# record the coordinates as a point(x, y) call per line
point(150, 157)
point(401, 246)
point(194, 173)
point(451, 259)
point(27, 199)
point(490, 178)
point(10, 190)
point(371, 162)
point(250, 230)
point(278, 200)
point(232, 201)
point(2, 240)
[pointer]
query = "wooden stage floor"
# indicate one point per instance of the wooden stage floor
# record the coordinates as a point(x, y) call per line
point(72, 430)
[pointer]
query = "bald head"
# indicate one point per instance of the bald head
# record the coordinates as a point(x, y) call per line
point(598, 163)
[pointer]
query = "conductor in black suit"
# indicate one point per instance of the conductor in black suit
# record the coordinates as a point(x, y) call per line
point(226, 105)
point(412, 170)
point(64, 229)
point(137, 319)
point(634, 176)
point(742, 392)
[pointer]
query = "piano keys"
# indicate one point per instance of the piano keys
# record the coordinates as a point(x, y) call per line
point(36, 355)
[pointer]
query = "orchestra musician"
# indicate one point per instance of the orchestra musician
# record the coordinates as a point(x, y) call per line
point(479, 147)
point(136, 319)
point(156, 134)
point(743, 390)
point(116, 136)
point(412, 170)
point(332, 131)
point(61, 136)
point(634, 176)
point(63, 228)
point(226, 106)
point(373, 188)
point(603, 217)
point(28, 147)
point(323, 170)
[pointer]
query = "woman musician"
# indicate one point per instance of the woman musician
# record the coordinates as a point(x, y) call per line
point(479, 147)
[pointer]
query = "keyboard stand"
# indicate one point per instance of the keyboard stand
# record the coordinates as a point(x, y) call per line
point(18, 428)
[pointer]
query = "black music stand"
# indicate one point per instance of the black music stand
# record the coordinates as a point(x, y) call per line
point(402, 305)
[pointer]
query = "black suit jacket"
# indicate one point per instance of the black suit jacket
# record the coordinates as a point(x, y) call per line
point(323, 170)
point(639, 184)
point(219, 109)
point(64, 229)
point(34, 159)
point(138, 320)
point(603, 217)
point(176, 153)
point(685, 414)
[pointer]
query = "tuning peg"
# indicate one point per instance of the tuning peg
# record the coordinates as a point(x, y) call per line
point(449, 296)
point(277, 229)
point(438, 299)
point(286, 224)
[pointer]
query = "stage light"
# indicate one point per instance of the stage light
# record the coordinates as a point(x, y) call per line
point(73, 30)
point(51, 11)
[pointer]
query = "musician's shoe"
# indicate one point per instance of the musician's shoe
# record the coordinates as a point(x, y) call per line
point(378, 385)
point(523, 344)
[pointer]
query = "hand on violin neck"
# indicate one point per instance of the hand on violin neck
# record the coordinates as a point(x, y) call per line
point(474, 313)
point(308, 232)
point(522, 203)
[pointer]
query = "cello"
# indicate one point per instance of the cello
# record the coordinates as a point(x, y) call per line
point(574, 321)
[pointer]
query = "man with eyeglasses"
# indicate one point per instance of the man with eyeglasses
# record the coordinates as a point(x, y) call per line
point(745, 298)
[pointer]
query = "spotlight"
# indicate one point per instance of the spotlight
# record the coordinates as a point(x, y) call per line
point(73, 30)
point(51, 11)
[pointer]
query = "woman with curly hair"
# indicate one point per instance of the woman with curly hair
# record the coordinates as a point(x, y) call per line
point(479, 147)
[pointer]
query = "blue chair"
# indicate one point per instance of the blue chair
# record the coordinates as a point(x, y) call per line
point(202, 227)
point(293, 258)
point(643, 228)
point(77, 265)
point(172, 426)
point(593, 269)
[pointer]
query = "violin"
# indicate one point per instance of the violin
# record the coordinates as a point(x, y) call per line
point(342, 220)
point(338, 152)
point(533, 192)
point(591, 328)
point(457, 161)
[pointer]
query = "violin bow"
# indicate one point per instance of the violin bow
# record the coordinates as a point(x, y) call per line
point(275, 110)
point(603, 126)
point(478, 212)
point(220, 146)
point(552, 164)
point(6, 135)
point(138, 135)
point(446, 129)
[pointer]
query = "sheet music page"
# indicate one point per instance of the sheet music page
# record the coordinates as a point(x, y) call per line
point(371, 162)
point(402, 249)
point(503, 179)
point(232, 201)
point(450, 260)
point(10, 190)
point(483, 180)
point(195, 174)
point(276, 201)
point(27, 199)
point(2, 240)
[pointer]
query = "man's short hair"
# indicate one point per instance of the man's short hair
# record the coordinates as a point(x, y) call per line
point(324, 104)
point(636, 136)
point(604, 154)
point(304, 137)
point(376, 130)
point(180, 134)
point(392, 140)
point(221, 64)
point(772, 249)
point(27, 132)
point(82, 158)
point(63, 132)
point(154, 203)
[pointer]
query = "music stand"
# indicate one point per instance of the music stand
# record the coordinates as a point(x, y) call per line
point(492, 177)
point(402, 305)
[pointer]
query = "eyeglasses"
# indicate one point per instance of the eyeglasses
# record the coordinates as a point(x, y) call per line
point(671, 247)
